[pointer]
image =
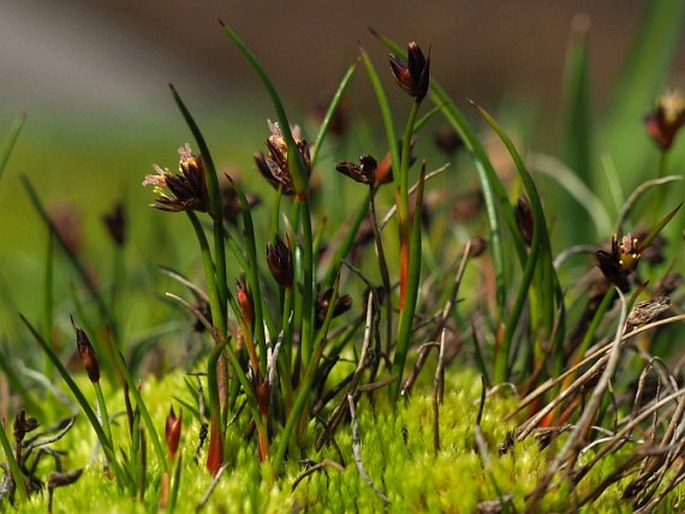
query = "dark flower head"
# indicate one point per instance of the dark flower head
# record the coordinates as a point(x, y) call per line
point(173, 431)
point(115, 221)
point(621, 262)
point(231, 202)
point(524, 219)
point(188, 191)
point(87, 354)
point(364, 172)
point(447, 139)
point(665, 120)
point(279, 257)
point(274, 165)
point(323, 301)
point(68, 223)
point(23, 425)
point(262, 391)
point(63, 478)
point(244, 301)
point(412, 76)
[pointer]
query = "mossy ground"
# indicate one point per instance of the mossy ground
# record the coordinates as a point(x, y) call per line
point(397, 451)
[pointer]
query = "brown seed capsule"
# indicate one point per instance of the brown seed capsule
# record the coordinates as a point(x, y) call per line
point(87, 354)
point(664, 122)
point(323, 301)
point(115, 222)
point(231, 202)
point(57, 479)
point(23, 425)
point(621, 262)
point(280, 260)
point(262, 392)
point(244, 301)
point(524, 219)
point(174, 425)
point(413, 75)
point(447, 139)
point(365, 172)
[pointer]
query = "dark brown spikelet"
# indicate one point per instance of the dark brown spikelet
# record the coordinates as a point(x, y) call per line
point(57, 479)
point(174, 425)
point(274, 166)
point(279, 257)
point(231, 202)
point(524, 219)
point(23, 425)
point(262, 393)
point(364, 172)
point(115, 222)
point(323, 301)
point(244, 301)
point(621, 262)
point(87, 354)
point(413, 75)
point(447, 139)
point(664, 122)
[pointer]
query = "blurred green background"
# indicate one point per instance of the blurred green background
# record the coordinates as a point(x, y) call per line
point(92, 79)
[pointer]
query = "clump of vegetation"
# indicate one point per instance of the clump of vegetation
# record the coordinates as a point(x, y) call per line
point(332, 314)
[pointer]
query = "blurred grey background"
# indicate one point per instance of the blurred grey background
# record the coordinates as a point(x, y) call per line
point(94, 59)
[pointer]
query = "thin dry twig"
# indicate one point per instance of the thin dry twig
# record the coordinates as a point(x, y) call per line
point(569, 453)
point(210, 489)
point(326, 463)
point(356, 449)
point(438, 393)
point(337, 415)
point(196, 312)
point(412, 189)
point(598, 353)
point(635, 195)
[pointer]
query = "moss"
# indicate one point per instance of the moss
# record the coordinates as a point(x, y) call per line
point(397, 452)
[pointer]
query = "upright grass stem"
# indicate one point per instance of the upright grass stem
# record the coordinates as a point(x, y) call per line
point(403, 203)
point(17, 475)
point(48, 295)
point(407, 314)
point(305, 386)
point(104, 414)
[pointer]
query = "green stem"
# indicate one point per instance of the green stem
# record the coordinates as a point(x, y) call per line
point(347, 242)
point(210, 277)
point(14, 467)
point(305, 386)
point(596, 320)
point(221, 280)
point(407, 314)
point(308, 306)
point(49, 296)
point(104, 415)
point(213, 386)
point(403, 207)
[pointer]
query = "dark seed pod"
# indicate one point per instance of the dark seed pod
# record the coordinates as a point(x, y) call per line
point(280, 260)
point(412, 76)
point(87, 354)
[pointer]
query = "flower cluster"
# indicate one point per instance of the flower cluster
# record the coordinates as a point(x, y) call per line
point(274, 166)
point(621, 262)
point(188, 191)
point(665, 120)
